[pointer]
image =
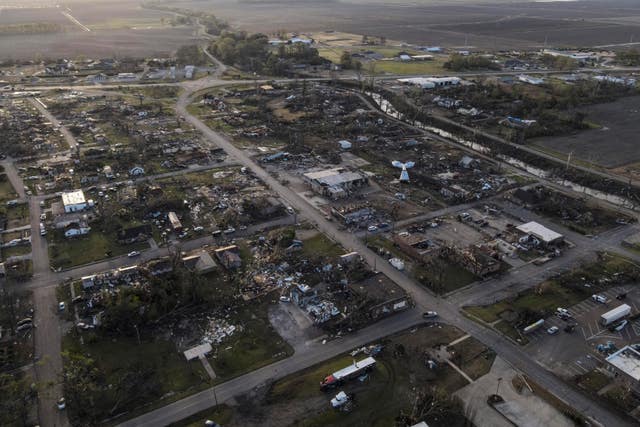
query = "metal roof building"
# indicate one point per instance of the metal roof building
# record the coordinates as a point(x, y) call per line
point(540, 232)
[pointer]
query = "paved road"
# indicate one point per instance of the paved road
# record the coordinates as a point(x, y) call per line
point(51, 279)
point(14, 177)
point(423, 299)
point(312, 355)
point(47, 351)
point(68, 136)
point(39, 250)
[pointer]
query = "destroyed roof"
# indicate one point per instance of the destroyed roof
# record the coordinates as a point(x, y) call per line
point(334, 177)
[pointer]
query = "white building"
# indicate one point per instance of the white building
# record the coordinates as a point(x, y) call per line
point(189, 71)
point(74, 201)
point(540, 232)
point(529, 79)
point(626, 361)
point(431, 82)
point(335, 183)
point(629, 81)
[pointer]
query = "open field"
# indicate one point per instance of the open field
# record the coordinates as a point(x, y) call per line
point(95, 246)
point(512, 25)
point(26, 16)
point(159, 368)
point(101, 43)
point(125, 28)
point(611, 146)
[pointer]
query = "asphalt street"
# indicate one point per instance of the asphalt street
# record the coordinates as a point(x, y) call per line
point(423, 299)
point(48, 337)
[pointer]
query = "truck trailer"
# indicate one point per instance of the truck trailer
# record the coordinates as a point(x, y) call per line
point(614, 315)
point(351, 371)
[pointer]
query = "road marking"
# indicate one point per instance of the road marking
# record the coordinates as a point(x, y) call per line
point(579, 365)
point(75, 21)
point(584, 334)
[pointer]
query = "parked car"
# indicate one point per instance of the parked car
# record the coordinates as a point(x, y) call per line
point(230, 230)
point(601, 299)
point(429, 314)
point(570, 328)
point(285, 298)
point(372, 228)
point(133, 254)
point(61, 306)
point(553, 330)
point(621, 296)
point(563, 312)
point(61, 404)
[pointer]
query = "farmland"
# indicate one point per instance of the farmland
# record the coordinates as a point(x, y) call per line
point(116, 28)
point(612, 145)
point(448, 24)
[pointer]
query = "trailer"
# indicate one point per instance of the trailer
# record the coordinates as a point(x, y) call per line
point(614, 315)
point(351, 371)
point(533, 327)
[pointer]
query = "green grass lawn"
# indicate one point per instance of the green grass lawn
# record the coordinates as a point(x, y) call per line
point(554, 296)
point(565, 290)
point(163, 370)
point(66, 253)
point(16, 251)
point(6, 190)
point(453, 277)
point(321, 246)
point(257, 345)
point(593, 381)
point(389, 390)
point(510, 331)
point(17, 216)
point(411, 67)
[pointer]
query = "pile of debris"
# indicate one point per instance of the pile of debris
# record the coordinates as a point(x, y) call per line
point(217, 330)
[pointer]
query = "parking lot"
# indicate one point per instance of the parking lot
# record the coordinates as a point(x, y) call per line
point(576, 353)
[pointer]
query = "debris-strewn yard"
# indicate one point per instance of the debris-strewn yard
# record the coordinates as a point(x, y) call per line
point(408, 384)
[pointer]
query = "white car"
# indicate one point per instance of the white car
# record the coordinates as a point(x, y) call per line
point(61, 404)
point(198, 228)
point(599, 298)
point(230, 230)
point(284, 298)
point(133, 254)
point(563, 312)
point(61, 306)
point(372, 228)
point(553, 330)
point(429, 314)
